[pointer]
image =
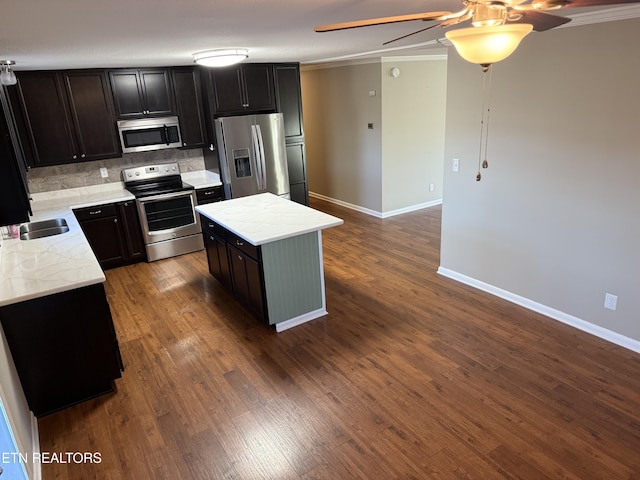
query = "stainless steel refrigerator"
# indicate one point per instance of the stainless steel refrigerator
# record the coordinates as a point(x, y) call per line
point(253, 156)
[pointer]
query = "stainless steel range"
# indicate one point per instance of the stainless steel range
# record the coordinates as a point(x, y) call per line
point(170, 225)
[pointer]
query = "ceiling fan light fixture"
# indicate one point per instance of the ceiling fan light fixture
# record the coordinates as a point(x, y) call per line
point(488, 45)
point(221, 57)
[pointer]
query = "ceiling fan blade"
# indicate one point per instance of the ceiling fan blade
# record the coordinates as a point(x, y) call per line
point(381, 21)
point(541, 21)
point(412, 33)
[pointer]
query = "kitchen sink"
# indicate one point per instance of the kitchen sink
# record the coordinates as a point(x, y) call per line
point(43, 228)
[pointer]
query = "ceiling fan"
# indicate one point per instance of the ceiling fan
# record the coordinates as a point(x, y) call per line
point(498, 26)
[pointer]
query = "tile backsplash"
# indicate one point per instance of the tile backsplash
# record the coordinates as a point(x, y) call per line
point(60, 177)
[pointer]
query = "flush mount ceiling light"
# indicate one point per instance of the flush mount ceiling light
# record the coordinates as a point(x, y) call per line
point(221, 57)
point(7, 77)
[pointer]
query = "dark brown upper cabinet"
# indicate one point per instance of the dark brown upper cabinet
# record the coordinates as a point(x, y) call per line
point(190, 106)
point(245, 88)
point(289, 100)
point(68, 116)
point(142, 93)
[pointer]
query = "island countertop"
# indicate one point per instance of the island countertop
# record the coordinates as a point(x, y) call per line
point(265, 218)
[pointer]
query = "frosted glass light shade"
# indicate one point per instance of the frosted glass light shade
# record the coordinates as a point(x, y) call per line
point(487, 45)
point(221, 58)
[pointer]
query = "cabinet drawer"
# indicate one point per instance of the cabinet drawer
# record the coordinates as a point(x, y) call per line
point(99, 211)
point(209, 195)
point(243, 245)
point(213, 228)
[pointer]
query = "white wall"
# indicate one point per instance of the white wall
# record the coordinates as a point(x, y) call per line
point(555, 218)
point(386, 169)
point(413, 120)
point(343, 156)
point(21, 420)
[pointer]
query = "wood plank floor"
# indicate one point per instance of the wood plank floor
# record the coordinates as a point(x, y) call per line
point(410, 376)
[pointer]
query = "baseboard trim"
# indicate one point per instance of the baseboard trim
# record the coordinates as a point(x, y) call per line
point(565, 318)
point(35, 448)
point(294, 322)
point(375, 213)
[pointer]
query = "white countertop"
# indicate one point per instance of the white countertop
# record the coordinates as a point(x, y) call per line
point(265, 218)
point(201, 179)
point(44, 266)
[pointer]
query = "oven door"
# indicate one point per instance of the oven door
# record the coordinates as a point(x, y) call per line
point(168, 216)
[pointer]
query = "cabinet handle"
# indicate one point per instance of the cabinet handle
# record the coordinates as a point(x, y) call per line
point(240, 258)
point(211, 225)
point(211, 147)
point(74, 157)
point(184, 144)
point(239, 243)
point(82, 156)
point(95, 212)
point(115, 220)
point(211, 238)
point(208, 193)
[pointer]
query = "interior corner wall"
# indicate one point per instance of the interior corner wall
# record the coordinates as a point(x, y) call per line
point(343, 154)
point(413, 125)
point(555, 217)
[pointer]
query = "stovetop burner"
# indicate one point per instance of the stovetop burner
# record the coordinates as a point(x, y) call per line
point(154, 180)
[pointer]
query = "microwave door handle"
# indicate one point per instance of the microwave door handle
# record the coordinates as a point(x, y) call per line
point(166, 134)
point(256, 154)
point(262, 158)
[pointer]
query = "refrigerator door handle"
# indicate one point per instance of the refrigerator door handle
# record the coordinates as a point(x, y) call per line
point(263, 166)
point(256, 154)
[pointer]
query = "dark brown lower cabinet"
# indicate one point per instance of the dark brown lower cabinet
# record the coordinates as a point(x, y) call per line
point(236, 264)
point(64, 347)
point(216, 246)
point(113, 231)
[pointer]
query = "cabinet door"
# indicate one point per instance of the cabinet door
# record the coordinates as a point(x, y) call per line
point(44, 104)
point(127, 93)
point(228, 89)
point(289, 100)
point(217, 257)
point(132, 232)
point(158, 92)
point(190, 104)
point(142, 93)
point(64, 347)
point(259, 88)
point(247, 281)
point(104, 233)
point(297, 173)
point(91, 108)
point(14, 200)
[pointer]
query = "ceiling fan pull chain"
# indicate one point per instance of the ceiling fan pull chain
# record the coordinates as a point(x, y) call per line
point(484, 89)
point(485, 163)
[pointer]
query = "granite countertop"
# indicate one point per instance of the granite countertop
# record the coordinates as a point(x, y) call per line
point(265, 218)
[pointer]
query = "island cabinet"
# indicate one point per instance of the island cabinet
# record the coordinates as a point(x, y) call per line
point(68, 116)
point(142, 93)
point(268, 250)
point(244, 88)
point(64, 347)
point(114, 233)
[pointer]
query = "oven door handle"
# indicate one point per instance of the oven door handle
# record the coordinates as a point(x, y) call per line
point(165, 196)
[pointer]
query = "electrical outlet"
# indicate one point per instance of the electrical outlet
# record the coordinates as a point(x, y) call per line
point(104, 173)
point(431, 187)
point(456, 165)
point(610, 301)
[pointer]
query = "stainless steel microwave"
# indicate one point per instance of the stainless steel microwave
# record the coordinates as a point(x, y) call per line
point(145, 134)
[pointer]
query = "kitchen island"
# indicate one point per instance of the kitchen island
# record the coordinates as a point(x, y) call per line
point(268, 250)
